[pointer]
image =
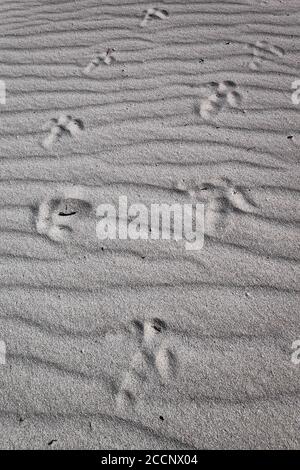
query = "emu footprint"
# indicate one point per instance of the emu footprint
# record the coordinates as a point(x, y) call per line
point(153, 356)
point(55, 217)
point(218, 95)
point(57, 128)
point(154, 13)
point(219, 201)
point(106, 58)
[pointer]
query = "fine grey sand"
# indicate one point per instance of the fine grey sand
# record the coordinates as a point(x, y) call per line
point(141, 344)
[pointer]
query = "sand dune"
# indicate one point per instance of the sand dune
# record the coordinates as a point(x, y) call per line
point(141, 344)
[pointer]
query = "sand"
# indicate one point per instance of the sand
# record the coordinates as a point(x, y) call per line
point(141, 344)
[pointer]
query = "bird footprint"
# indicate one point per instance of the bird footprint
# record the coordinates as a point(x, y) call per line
point(57, 128)
point(106, 58)
point(219, 200)
point(55, 217)
point(218, 96)
point(154, 13)
point(152, 355)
